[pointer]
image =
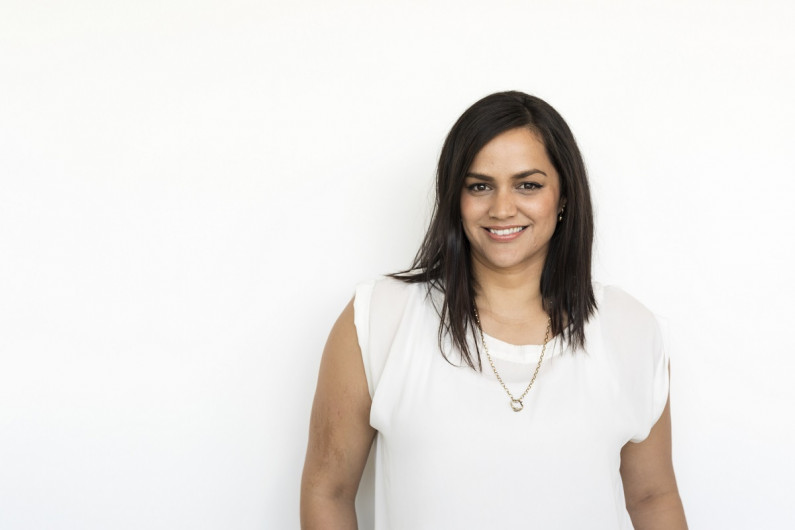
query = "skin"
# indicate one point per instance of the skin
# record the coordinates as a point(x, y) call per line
point(511, 183)
point(339, 433)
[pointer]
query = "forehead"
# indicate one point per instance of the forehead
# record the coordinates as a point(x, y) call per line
point(514, 150)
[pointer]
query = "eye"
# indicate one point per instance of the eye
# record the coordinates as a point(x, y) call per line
point(478, 186)
point(529, 186)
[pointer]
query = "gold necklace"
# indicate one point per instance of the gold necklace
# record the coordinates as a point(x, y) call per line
point(516, 403)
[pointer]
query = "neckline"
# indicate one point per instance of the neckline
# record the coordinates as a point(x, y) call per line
point(520, 353)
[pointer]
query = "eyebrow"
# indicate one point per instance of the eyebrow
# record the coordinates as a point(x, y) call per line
point(518, 176)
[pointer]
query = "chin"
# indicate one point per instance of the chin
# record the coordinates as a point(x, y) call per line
point(510, 261)
point(496, 262)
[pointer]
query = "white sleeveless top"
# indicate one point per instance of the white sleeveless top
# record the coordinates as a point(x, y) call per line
point(451, 454)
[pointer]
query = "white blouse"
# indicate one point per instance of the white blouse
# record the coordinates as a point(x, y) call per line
point(450, 452)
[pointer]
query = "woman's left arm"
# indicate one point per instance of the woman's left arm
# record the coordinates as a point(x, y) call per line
point(649, 483)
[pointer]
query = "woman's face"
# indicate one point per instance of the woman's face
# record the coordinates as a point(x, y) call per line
point(510, 202)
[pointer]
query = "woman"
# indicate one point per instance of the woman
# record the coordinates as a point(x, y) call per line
point(564, 424)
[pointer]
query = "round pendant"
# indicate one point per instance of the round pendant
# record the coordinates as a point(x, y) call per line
point(516, 404)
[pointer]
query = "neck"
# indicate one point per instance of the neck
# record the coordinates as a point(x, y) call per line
point(513, 295)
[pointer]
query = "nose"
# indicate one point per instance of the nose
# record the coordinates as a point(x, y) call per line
point(503, 205)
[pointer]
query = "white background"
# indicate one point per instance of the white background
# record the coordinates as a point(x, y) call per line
point(189, 192)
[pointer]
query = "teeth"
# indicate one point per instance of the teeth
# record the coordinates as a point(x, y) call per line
point(507, 231)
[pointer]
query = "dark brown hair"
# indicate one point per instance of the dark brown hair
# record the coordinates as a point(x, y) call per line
point(443, 260)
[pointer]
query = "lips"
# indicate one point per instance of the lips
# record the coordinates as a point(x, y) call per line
point(504, 234)
point(506, 231)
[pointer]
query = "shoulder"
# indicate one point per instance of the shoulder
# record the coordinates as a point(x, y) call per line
point(387, 294)
point(384, 296)
point(379, 307)
point(380, 304)
point(626, 324)
point(616, 305)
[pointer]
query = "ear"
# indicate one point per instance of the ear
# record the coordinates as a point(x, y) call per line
point(562, 203)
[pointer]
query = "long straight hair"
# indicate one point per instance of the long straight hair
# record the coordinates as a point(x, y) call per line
point(443, 260)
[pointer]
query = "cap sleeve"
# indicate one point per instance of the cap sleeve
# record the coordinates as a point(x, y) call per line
point(659, 386)
point(638, 346)
point(378, 307)
point(361, 319)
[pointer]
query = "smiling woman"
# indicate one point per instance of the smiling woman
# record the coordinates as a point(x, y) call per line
point(511, 202)
point(573, 411)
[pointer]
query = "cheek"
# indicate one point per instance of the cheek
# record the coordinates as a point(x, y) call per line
point(547, 208)
point(470, 215)
point(468, 207)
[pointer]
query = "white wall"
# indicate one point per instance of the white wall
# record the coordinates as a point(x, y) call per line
point(189, 192)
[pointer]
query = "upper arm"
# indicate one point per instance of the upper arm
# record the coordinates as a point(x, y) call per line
point(340, 434)
point(647, 467)
point(647, 471)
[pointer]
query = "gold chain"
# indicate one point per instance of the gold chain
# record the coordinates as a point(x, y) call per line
point(516, 403)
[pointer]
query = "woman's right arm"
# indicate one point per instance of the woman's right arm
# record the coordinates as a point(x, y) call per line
point(340, 435)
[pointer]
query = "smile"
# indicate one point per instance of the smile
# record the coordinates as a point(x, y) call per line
point(506, 231)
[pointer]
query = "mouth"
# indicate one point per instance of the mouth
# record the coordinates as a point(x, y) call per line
point(506, 231)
